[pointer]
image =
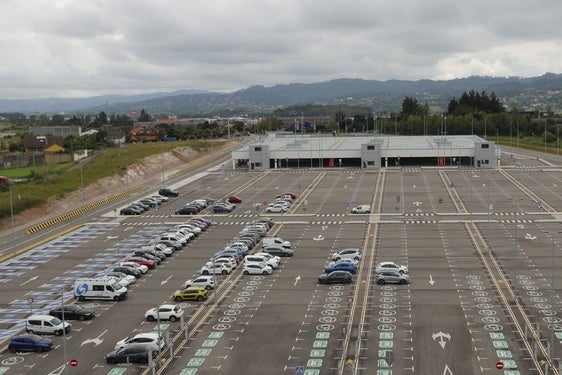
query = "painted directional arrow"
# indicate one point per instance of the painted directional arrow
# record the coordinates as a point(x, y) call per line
point(95, 340)
point(297, 279)
point(442, 338)
point(58, 370)
point(319, 238)
point(110, 238)
point(431, 281)
point(165, 281)
point(447, 371)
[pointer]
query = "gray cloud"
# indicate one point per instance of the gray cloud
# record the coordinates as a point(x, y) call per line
point(94, 47)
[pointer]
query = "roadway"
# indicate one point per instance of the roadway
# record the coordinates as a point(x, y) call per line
point(482, 248)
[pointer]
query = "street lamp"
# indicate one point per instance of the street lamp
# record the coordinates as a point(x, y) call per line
point(11, 204)
point(552, 238)
point(65, 355)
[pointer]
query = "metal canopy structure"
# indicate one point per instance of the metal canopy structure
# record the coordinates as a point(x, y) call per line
point(366, 152)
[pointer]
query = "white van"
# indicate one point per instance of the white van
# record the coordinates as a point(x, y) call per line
point(99, 288)
point(276, 241)
point(46, 324)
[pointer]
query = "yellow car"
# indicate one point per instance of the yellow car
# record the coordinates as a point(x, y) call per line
point(193, 293)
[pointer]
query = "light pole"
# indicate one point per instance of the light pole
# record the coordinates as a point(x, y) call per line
point(11, 204)
point(65, 355)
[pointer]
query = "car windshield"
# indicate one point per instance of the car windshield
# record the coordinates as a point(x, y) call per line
point(55, 321)
point(35, 338)
point(116, 286)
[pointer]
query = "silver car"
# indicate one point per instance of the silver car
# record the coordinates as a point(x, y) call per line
point(390, 266)
point(392, 277)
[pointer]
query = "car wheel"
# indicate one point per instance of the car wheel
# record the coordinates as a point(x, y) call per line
point(224, 272)
point(38, 350)
point(381, 282)
point(264, 273)
point(115, 298)
point(111, 361)
point(173, 318)
point(82, 318)
point(30, 331)
point(177, 299)
point(246, 273)
point(81, 298)
point(150, 318)
point(199, 298)
point(208, 287)
point(402, 282)
point(12, 349)
point(205, 272)
point(58, 332)
point(356, 258)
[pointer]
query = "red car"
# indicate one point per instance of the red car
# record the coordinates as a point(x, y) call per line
point(143, 261)
point(292, 195)
point(234, 199)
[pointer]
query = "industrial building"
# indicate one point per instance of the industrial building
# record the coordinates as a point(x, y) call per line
point(365, 152)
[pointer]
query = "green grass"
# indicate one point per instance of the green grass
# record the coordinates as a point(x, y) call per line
point(58, 180)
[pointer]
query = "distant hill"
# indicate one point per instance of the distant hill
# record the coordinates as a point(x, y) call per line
point(544, 92)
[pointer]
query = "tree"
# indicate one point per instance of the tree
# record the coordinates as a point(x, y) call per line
point(144, 116)
point(411, 107)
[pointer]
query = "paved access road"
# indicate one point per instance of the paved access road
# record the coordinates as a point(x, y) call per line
point(482, 248)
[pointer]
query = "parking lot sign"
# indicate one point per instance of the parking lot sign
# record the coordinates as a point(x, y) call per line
point(299, 370)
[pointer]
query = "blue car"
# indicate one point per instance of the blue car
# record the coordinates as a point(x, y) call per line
point(30, 342)
point(349, 267)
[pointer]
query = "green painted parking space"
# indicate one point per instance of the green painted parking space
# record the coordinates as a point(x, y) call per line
point(188, 371)
point(320, 344)
point(504, 354)
point(384, 372)
point(511, 372)
point(500, 344)
point(311, 371)
point(317, 353)
point(509, 364)
point(216, 334)
point(386, 344)
point(114, 371)
point(163, 327)
point(386, 335)
point(3, 370)
point(383, 363)
point(383, 353)
point(314, 363)
point(558, 335)
point(203, 352)
point(209, 343)
point(496, 335)
point(196, 362)
point(322, 335)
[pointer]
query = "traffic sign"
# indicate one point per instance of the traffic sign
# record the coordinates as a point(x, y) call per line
point(73, 362)
point(499, 365)
point(299, 370)
point(30, 300)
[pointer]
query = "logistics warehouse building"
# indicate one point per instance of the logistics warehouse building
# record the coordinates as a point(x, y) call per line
point(366, 152)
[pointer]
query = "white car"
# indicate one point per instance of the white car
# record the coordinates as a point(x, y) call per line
point(256, 269)
point(205, 281)
point(226, 260)
point(271, 260)
point(386, 266)
point(219, 269)
point(142, 338)
point(164, 312)
point(362, 209)
point(122, 278)
point(354, 254)
point(276, 209)
point(159, 198)
point(140, 267)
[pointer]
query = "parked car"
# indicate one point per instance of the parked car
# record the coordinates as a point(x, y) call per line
point(347, 253)
point(164, 312)
point(257, 269)
point(187, 210)
point(150, 264)
point(129, 211)
point(122, 278)
point(392, 277)
point(361, 209)
point(276, 209)
point(168, 193)
point(278, 251)
point(220, 209)
point(127, 271)
point(160, 198)
point(142, 268)
point(234, 199)
point(134, 353)
point(335, 277)
point(204, 281)
point(219, 268)
point(349, 267)
point(386, 266)
point(73, 312)
point(345, 260)
point(292, 195)
point(193, 293)
point(30, 342)
point(142, 338)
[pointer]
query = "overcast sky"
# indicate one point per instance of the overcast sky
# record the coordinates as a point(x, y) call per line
point(71, 48)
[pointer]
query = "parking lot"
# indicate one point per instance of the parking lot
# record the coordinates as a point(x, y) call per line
point(482, 248)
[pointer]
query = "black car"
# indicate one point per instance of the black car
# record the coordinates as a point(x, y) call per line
point(73, 312)
point(150, 254)
point(168, 192)
point(129, 211)
point(133, 353)
point(187, 210)
point(128, 271)
point(335, 277)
